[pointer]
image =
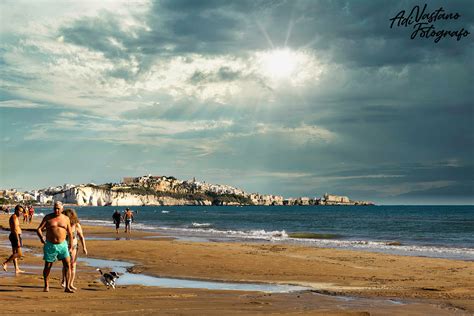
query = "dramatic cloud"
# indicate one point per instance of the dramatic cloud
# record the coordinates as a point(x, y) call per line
point(286, 97)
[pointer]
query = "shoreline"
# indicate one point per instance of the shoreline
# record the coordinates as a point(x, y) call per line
point(381, 246)
point(207, 232)
point(330, 271)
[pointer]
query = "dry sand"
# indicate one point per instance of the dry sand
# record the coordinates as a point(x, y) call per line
point(425, 285)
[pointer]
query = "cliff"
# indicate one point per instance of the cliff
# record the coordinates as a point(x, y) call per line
point(86, 195)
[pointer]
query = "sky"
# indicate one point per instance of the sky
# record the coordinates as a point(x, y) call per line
point(295, 98)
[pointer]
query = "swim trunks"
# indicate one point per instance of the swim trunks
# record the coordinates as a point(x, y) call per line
point(16, 243)
point(53, 252)
point(128, 222)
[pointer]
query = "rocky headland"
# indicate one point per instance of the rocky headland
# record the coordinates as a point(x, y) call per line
point(162, 190)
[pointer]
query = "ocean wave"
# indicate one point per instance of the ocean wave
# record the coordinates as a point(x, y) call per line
point(368, 245)
point(143, 226)
point(251, 234)
point(165, 212)
point(99, 222)
point(396, 248)
point(201, 225)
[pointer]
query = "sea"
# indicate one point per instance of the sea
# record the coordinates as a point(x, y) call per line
point(427, 231)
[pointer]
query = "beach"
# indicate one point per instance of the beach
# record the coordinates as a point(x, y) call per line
point(340, 282)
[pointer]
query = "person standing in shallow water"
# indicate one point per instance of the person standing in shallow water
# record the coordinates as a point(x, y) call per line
point(25, 214)
point(31, 213)
point(128, 218)
point(15, 239)
point(77, 234)
point(117, 217)
point(57, 226)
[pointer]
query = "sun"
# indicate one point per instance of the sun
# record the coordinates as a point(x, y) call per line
point(279, 63)
point(285, 67)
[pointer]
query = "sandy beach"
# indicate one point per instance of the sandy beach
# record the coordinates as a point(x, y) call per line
point(353, 282)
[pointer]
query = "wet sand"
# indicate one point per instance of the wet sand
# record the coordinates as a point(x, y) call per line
point(424, 285)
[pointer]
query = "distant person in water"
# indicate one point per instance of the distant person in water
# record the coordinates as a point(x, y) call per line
point(31, 213)
point(15, 239)
point(57, 226)
point(25, 214)
point(77, 233)
point(128, 218)
point(117, 217)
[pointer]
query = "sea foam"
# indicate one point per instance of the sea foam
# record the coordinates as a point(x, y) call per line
point(250, 234)
point(201, 225)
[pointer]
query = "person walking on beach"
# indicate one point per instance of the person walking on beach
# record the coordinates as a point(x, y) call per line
point(128, 218)
point(57, 226)
point(15, 239)
point(117, 219)
point(77, 233)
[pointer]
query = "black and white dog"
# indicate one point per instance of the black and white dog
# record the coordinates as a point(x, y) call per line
point(108, 278)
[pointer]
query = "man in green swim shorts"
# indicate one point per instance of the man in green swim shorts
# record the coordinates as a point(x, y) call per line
point(56, 247)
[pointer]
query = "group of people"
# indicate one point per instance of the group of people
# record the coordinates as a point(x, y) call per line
point(63, 231)
point(27, 212)
point(5, 209)
point(127, 217)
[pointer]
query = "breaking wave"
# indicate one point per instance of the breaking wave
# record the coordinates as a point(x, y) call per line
point(250, 234)
point(201, 225)
point(98, 222)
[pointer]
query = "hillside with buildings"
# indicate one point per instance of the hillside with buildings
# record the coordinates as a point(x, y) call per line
point(161, 190)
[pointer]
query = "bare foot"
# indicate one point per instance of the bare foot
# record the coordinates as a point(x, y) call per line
point(46, 289)
point(4, 265)
point(73, 287)
point(19, 271)
point(63, 284)
point(68, 290)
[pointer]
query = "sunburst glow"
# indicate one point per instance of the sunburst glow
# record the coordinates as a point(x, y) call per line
point(280, 63)
point(287, 65)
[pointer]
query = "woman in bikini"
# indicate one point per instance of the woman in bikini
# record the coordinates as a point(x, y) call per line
point(77, 234)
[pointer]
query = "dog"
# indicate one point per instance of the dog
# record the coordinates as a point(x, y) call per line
point(108, 278)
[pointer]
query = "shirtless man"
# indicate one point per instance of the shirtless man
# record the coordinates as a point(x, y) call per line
point(57, 226)
point(128, 218)
point(15, 239)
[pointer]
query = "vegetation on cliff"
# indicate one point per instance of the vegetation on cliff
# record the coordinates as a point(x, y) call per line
point(222, 199)
point(214, 198)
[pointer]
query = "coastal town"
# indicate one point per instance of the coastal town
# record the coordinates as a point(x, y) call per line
point(160, 190)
